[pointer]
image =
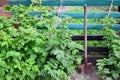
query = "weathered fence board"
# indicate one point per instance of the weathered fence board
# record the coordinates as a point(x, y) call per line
point(98, 49)
point(6, 14)
point(89, 37)
point(91, 26)
point(81, 14)
point(80, 2)
point(73, 26)
point(15, 2)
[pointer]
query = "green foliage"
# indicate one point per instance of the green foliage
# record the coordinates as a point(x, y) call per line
point(110, 67)
point(27, 53)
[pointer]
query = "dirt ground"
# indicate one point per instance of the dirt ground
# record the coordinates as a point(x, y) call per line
point(91, 76)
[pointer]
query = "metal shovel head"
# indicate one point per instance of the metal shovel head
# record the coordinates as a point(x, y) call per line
point(86, 68)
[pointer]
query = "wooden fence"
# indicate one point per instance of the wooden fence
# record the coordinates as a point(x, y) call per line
point(74, 26)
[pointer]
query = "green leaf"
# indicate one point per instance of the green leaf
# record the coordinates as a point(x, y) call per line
point(109, 78)
point(111, 61)
point(57, 51)
point(1, 25)
point(2, 73)
point(35, 68)
point(75, 51)
point(12, 54)
point(79, 60)
point(60, 56)
point(3, 63)
point(115, 75)
point(33, 56)
point(43, 59)
point(47, 67)
point(100, 68)
point(64, 63)
point(44, 54)
point(16, 60)
point(37, 49)
point(117, 54)
point(118, 65)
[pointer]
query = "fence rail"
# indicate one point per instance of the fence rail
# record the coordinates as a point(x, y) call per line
point(80, 2)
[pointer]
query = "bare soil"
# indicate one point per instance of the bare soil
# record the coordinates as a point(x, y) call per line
point(91, 76)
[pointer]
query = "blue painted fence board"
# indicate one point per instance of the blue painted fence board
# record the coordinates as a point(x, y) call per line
point(81, 15)
point(37, 14)
point(78, 14)
point(17, 2)
point(80, 2)
point(89, 26)
point(67, 2)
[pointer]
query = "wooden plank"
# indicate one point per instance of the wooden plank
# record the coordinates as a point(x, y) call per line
point(80, 2)
point(17, 2)
point(89, 37)
point(6, 14)
point(98, 49)
point(90, 15)
point(81, 14)
point(93, 59)
point(90, 26)
point(2, 9)
point(37, 14)
point(3, 2)
point(81, 26)
point(118, 8)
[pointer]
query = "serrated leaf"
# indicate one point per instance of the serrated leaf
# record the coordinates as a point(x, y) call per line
point(64, 63)
point(1, 25)
point(57, 51)
point(117, 54)
point(2, 73)
point(60, 56)
point(33, 56)
point(115, 75)
point(47, 67)
point(111, 61)
point(12, 54)
point(109, 78)
point(44, 54)
point(36, 49)
point(35, 68)
point(79, 59)
point(3, 63)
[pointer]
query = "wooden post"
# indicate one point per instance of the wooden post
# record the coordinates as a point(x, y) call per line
point(85, 36)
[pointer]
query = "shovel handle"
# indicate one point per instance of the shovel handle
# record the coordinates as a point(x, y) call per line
point(85, 36)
